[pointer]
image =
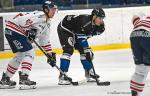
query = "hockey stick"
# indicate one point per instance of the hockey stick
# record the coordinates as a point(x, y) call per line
point(70, 80)
point(106, 83)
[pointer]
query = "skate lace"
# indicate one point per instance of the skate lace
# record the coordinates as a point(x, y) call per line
point(27, 82)
point(7, 81)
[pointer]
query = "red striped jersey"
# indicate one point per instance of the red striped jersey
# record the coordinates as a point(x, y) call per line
point(141, 22)
point(37, 20)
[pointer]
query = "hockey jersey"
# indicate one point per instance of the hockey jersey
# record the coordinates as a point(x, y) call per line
point(141, 21)
point(81, 26)
point(37, 20)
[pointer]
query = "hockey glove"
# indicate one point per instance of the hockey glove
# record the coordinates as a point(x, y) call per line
point(89, 54)
point(51, 59)
point(31, 34)
point(98, 30)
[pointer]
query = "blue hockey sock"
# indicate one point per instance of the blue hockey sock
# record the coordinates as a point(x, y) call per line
point(64, 65)
point(86, 64)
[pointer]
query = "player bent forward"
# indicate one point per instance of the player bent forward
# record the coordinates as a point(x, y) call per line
point(73, 32)
point(20, 31)
point(140, 44)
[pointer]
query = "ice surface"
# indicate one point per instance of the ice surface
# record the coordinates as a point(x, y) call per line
point(116, 66)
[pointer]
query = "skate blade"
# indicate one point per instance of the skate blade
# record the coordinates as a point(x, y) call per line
point(27, 87)
point(6, 87)
point(64, 83)
point(91, 80)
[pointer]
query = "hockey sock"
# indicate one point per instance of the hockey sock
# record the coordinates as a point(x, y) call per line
point(27, 61)
point(64, 65)
point(138, 79)
point(86, 64)
point(136, 87)
point(27, 65)
point(12, 67)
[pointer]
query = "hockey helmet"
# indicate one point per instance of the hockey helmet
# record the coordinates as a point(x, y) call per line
point(99, 12)
point(49, 4)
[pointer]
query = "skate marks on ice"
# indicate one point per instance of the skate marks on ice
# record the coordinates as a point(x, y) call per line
point(56, 90)
point(117, 88)
point(118, 69)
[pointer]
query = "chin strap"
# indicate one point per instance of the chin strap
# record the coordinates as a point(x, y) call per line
point(46, 13)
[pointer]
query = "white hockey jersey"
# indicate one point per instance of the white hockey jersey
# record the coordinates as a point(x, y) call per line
point(141, 21)
point(37, 20)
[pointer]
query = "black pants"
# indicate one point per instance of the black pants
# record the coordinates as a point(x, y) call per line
point(68, 41)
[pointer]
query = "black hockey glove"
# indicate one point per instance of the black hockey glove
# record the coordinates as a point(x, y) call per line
point(98, 30)
point(89, 54)
point(51, 59)
point(31, 34)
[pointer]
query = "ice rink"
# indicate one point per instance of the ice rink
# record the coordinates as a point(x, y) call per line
point(115, 66)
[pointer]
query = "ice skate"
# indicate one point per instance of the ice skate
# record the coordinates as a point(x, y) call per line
point(134, 93)
point(90, 77)
point(63, 80)
point(25, 83)
point(6, 83)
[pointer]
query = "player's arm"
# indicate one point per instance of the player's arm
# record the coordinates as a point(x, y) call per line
point(44, 42)
point(137, 18)
point(26, 23)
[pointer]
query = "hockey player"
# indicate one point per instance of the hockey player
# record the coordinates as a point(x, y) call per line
point(73, 32)
point(20, 31)
point(140, 44)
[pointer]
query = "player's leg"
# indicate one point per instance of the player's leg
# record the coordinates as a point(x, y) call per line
point(26, 66)
point(26, 52)
point(66, 41)
point(89, 74)
point(12, 65)
point(138, 79)
point(141, 72)
point(18, 44)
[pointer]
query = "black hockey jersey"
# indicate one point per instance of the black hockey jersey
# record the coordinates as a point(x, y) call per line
point(81, 24)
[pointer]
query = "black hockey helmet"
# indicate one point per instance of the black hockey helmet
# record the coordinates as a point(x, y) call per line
point(47, 5)
point(99, 12)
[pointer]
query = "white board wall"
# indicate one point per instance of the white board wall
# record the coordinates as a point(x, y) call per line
point(118, 25)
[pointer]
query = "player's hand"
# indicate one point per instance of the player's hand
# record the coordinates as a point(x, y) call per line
point(51, 59)
point(99, 30)
point(89, 54)
point(31, 34)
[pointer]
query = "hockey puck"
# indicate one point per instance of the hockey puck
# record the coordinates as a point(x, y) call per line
point(75, 83)
point(107, 83)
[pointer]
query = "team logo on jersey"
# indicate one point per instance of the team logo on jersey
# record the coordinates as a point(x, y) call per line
point(29, 22)
point(18, 44)
point(71, 41)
